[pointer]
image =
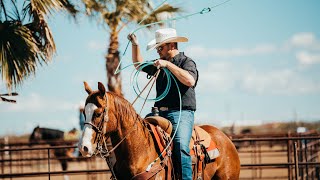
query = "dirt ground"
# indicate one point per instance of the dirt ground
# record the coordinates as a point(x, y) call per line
point(267, 157)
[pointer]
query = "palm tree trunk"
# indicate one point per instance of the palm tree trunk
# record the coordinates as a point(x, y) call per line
point(112, 61)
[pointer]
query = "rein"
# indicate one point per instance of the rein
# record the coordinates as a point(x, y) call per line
point(100, 133)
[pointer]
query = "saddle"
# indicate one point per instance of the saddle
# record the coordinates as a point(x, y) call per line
point(202, 138)
point(203, 149)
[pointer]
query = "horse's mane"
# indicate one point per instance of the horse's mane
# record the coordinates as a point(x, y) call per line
point(122, 106)
point(125, 109)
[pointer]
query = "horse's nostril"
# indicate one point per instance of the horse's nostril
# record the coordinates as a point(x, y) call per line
point(85, 149)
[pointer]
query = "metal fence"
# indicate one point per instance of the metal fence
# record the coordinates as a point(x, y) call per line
point(22, 160)
point(291, 157)
point(262, 157)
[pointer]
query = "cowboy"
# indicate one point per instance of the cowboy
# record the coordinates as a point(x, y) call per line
point(185, 72)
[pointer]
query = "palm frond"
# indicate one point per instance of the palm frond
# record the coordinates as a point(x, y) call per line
point(20, 53)
point(94, 7)
point(10, 94)
point(47, 7)
point(155, 16)
point(67, 5)
point(7, 100)
point(144, 13)
point(25, 44)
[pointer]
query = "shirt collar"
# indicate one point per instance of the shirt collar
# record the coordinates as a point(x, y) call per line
point(177, 57)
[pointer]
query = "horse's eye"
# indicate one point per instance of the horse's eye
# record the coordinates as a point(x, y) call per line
point(97, 114)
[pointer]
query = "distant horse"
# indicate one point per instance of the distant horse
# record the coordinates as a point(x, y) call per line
point(108, 114)
point(52, 137)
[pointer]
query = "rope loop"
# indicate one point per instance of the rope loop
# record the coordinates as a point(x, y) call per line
point(135, 84)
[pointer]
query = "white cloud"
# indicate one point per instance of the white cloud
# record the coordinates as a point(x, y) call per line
point(225, 76)
point(306, 58)
point(201, 52)
point(37, 103)
point(217, 77)
point(279, 82)
point(305, 40)
point(298, 44)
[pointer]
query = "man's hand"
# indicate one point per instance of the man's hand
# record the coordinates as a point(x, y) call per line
point(133, 39)
point(161, 63)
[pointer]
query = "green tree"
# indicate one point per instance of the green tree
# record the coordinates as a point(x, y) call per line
point(25, 38)
point(117, 14)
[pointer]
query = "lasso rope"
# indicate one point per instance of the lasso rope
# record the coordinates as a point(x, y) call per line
point(169, 74)
point(203, 11)
point(135, 85)
point(134, 80)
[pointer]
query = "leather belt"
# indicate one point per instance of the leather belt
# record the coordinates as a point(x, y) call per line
point(163, 108)
point(170, 108)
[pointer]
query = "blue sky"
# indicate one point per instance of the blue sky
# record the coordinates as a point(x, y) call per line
point(259, 62)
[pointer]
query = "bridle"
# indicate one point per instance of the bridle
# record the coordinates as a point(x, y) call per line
point(100, 134)
point(100, 128)
point(100, 131)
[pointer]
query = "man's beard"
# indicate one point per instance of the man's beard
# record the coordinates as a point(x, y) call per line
point(164, 57)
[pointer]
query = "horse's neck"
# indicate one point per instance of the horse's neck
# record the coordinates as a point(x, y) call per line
point(133, 134)
point(137, 150)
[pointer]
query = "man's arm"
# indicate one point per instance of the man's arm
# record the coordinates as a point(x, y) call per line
point(136, 55)
point(183, 75)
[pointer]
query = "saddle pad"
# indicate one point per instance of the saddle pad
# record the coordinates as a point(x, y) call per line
point(204, 137)
point(206, 141)
point(212, 150)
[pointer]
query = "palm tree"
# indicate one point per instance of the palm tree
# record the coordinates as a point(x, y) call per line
point(117, 14)
point(25, 38)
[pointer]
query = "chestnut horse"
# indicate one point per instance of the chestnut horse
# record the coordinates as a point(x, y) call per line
point(109, 115)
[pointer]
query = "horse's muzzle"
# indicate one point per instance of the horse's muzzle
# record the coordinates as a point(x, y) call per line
point(85, 151)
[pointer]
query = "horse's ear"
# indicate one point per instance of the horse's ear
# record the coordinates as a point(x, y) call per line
point(87, 87)
point(101, 88)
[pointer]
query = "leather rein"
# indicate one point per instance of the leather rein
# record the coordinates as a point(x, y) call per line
point(100, 133)
point(100, 130)
point(100, 137)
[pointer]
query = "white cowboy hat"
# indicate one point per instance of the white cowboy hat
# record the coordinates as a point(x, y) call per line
point(163, 36)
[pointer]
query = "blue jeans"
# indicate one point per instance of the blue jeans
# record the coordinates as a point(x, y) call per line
point(181, 150)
